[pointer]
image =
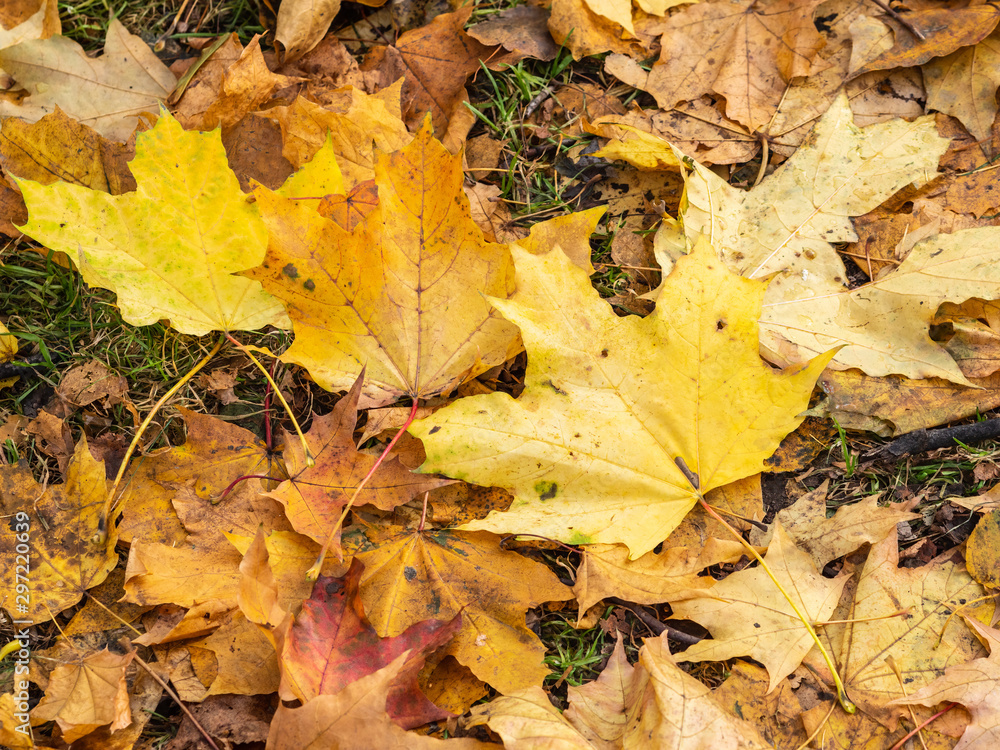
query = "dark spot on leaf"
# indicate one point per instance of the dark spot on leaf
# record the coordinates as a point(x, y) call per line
point(546, 490)
point(434, 605)
point(290, 271)
point(409, 573)
point(434, 429)
point(822, 23)
point(756, 624)
point(604, 352)
point(720, 325)
point(310, 284)
point(554, 387)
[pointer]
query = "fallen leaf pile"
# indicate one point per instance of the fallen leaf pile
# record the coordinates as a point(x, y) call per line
point(816, 186)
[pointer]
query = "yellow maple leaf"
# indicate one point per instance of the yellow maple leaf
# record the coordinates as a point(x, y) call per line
point(402, 293)
point(590, 449)
point(169, 249)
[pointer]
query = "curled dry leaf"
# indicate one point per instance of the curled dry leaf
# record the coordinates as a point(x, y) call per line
point(88, 694)
point(964, 85)
point(825, 539)
point(944, 30)
point(302, 24)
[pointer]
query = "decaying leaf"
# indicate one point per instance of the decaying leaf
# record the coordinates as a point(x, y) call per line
point(434, 61)
point(884, 44)
point(974, 685)
point(591, 448)
point(58, 566)
point(903, 616)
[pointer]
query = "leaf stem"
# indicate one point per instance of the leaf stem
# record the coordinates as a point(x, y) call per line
point(102, 523)
point(310, 461)
point(845, 702)
point(313, 573)
point(916, 729)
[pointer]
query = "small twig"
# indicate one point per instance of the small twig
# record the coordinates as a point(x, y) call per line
point(898, 16)
point(542, 95)
point(655, 625)
point(180, 703)
point(921, 441)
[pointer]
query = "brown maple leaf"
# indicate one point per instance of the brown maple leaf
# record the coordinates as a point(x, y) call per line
point(314, 496)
